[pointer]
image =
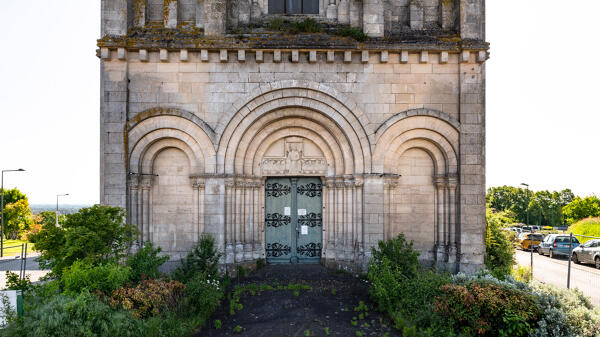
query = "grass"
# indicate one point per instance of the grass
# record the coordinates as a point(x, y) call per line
point(587, 227)
point(12, 251)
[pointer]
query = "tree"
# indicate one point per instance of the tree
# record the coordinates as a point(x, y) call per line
point(12, 196)
point(17, 218)
point(581, 208)
point(93, 235)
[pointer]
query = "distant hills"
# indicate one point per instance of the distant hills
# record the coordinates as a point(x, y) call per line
point(62, 208)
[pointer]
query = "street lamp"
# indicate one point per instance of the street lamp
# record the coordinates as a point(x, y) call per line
point(531, 232)
point(56, 216)
point(2, 211)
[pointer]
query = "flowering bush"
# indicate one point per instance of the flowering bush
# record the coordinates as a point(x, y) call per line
point(480, 307)
point(149, 298)
point(203, 295)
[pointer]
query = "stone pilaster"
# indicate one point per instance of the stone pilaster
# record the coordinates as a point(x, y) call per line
point(373, 18)
point(146, 201)
point(198, 185)
point(416, 14)
point(170, 13)
point(441, 219)
point(229, 220)
point(215, 14)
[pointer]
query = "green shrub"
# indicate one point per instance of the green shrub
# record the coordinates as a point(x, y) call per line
point(480, 308)
point(522, 273)
point(204, 259)
point(565, 312)
point(353, 32)
point(276, 24)
point(144, 263)
point(308, 25)
point(103, 277)
point(95, 234)
point(587, 227)
point(171, 323)
point(399, 253)
point(14, 282)
point(74, 316)
point(499, 249)
point(203, 295)
point(149, 298)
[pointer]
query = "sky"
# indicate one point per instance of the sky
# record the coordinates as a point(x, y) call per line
point(543, 119)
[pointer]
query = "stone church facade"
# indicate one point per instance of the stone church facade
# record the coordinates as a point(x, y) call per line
point(297, 145)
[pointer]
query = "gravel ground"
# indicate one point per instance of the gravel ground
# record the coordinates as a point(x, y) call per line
point(325, 310)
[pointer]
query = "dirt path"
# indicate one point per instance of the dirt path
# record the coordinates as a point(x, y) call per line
point(326, 309)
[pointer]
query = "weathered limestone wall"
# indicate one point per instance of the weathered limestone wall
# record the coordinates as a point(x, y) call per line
point(387, 93)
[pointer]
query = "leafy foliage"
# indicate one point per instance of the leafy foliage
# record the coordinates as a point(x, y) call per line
point(582, 208)
point(145, 262)
point(95, 234)
point(308, 25)
point(353, 32)
point(203, 295)
point(74, 316)
point(105, 278)
point(14, 282)
point(203, 259)
point(17, 218)
point(499, 257)
point(149, 298)
point(400, 254)
point(479, 308)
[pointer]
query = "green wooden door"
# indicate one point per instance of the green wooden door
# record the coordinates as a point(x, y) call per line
point(293, 220)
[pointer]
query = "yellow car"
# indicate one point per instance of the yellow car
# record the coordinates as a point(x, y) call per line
point(525, 240)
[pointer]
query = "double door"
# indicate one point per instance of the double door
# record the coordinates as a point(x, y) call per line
point(293, 220)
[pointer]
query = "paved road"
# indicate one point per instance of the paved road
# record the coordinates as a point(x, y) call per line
point(554, 271)
point(11, 264)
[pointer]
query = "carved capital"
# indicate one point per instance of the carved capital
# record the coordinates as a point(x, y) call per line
point(229, 183)
point(452, 182)
point(339, 183)
point(390, 182)
point(197, 182)
point(146, 182)
point(440, 181)
point(133, 181)
point(359, 182)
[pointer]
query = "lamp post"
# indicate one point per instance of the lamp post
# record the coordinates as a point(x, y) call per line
point(2, 211)
point(531, 233)
point(56, 215)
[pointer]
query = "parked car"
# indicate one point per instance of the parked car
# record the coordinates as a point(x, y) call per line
point(527, 229)
point(526, 238)
point(588, 252)
point(556, 244)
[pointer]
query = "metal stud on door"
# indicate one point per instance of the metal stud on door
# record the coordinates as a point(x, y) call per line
point(278, 220)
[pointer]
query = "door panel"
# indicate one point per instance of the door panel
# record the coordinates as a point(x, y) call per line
point(310, 219)
point(293, 220)
point(278, 222)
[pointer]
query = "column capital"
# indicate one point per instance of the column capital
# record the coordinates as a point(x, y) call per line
point(197, 182)
point(146, 182)
point(133, 181)
point(390, 182)
point(440, 181)
point(452, 181)
point(229, 182)
point(359, 181)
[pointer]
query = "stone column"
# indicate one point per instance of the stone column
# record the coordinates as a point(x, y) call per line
point(198, 185)
point(358, 220)
point(170, 15)
point(239, 222)
point(452, 183)
point(200, 15)
point(215, 14)
point(448, 11)
point(339, 219)
point(416, 17)
point(440, 219)
point(256, 215)
point(133, 185)
point(229, 220)
point(325, 216)
point(146, 208)
point(248, 219)
point(261, 216)
point(389, 184)
point(331, 10)
point(330, 220)
point(343, 12)
point(139, 13)
point(373, 18)
point(349, 218)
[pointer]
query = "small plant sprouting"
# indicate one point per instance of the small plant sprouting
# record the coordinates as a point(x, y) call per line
point(307, 333)
point(354, 323)
point(333, 291)
point(327, 331)
point(359, 333)
point(238, 329)
point(296, 293)
point(218, 324)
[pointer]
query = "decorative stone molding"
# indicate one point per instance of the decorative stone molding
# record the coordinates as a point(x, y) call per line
point(312, 56)
point(347, 56)
point(164, 55)
point(223, 55)
point(204, 55)
point(364, 58)
point(424, 57)
point(295, 56)
point(277, 56)
point(197, 183)
point(146, 182)
point(404, 56)
point(241, 55)
point(444, 57)
point(259, 56)
point(183, 55)
point(105, 53)
point(143, 54)
point(465, 56)
point(121, 53)
point(384, 57)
